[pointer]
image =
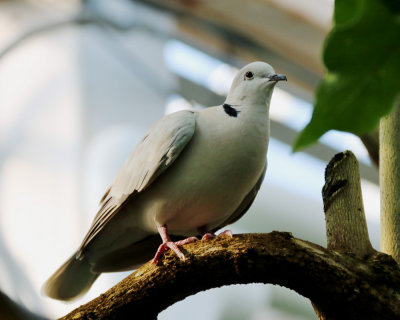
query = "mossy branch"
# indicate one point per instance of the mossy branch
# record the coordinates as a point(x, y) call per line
point(342, 286)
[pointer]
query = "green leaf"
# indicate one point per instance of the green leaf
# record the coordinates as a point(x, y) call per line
point(346, 11)
point(362, 56)
point(392, 5)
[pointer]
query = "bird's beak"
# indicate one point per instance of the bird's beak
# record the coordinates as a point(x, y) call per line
point(277, 77)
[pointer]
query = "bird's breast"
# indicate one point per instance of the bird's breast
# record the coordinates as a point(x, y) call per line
point(211, 177)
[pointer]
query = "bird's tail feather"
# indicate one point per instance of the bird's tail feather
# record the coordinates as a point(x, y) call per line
point(72, 279)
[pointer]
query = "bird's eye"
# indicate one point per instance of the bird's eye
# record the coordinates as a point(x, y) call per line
point(249, 75)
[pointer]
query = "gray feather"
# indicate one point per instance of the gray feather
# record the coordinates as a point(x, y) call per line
point(246, 203)
point(159, 148)
point(71, 280)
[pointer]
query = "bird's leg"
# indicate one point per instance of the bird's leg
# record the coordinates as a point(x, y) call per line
point(209, 235)
point(169, 244)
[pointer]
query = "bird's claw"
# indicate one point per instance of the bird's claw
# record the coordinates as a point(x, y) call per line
point(210, 235)
point(174, 246)
point(227, 233)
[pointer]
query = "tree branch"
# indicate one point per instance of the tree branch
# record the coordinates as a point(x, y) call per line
point(342, 286)
point(346, 226)
point(389, 174)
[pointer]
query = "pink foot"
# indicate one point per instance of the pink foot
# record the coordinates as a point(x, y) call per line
point(168, 244)
point(208, 235)
point(227, 233)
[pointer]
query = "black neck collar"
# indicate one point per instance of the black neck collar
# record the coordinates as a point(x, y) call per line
point(230, 111)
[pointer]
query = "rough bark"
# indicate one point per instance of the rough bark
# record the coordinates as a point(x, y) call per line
point(389, 174)
point(342, 286)
point(346, 226)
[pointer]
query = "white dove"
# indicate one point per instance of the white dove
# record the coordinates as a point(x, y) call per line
point(192, 174)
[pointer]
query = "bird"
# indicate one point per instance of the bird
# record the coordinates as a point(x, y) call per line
point(193, 173)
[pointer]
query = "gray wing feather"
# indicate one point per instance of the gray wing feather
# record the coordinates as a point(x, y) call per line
point(246, 203)
point(159, 148)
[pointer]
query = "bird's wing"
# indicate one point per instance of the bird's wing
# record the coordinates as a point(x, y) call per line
point(159, 148)
point(246, 203)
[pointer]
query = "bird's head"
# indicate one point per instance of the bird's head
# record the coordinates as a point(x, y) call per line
point(253, 84)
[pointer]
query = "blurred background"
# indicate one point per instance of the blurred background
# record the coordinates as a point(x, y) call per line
point(82, 81)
